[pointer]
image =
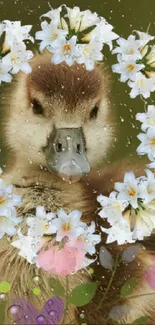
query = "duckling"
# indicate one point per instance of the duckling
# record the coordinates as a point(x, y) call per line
point(60, 125)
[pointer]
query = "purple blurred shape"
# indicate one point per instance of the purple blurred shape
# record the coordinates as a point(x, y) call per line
point(50, 314)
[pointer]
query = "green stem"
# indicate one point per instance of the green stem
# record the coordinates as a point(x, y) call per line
point(142, 295)
point(109, 284)
point(66, 301)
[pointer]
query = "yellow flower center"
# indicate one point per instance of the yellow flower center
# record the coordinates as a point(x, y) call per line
point(13, 61)
point(152, 122)
point(2, 200)
point(46, 225)
point(54, 36)
point(131, 51)
point(66, 48)
point(152, 141)
point(1, 219)
point(66, 227)
point(130, 67)
point(149, 190)
point(132, 192)
point(140, 82)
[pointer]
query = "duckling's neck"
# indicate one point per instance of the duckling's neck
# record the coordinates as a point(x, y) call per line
point(67, 195)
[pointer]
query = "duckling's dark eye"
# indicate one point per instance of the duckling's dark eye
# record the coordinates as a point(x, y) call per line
point(37, 107)
point(94, 112)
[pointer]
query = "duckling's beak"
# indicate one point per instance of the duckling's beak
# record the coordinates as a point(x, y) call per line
point(66, 154)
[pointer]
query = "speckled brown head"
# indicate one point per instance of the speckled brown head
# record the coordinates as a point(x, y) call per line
point(63, 116)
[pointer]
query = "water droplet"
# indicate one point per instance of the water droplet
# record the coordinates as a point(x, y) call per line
point(15, 311)
point(37, 279)
point(41, 320)
point(26, 316)
point(3, 297)
point(82, 316)
point(53, 313)
point(50, 302)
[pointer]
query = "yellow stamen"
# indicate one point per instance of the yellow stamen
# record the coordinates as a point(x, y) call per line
point(132, 192)
point(66, 48)
point(66, 227)
point(130, 67)
point(1, 218)
point(131, 51)
point(2, 199)
point(54, 36)
point(149, 190)
point(152, 141)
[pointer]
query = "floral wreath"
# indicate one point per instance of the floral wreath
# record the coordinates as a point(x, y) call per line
point(72, 35)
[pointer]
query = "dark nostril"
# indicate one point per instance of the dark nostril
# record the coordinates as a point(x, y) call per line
point(59, 147)
point(78, 150)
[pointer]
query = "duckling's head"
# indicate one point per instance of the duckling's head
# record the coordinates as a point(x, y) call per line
point(60, 118)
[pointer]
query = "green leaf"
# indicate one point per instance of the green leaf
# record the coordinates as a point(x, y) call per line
point(128, 287)
point(141, 320)
point(2, 312)
point(4, 287)
point(83, 294)
point(57, 288)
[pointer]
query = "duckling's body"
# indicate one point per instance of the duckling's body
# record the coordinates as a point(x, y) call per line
point(43, 106)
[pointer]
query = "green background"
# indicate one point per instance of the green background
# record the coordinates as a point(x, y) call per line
point(125, 16)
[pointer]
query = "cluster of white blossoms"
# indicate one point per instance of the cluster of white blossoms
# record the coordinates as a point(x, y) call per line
point(13, 55)
point(8, 215)
point(130, 210)
point(147, 139)
point(75, 36)
point(136, 63)
point(56, 229)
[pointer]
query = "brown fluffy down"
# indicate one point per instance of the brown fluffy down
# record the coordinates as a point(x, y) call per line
point(25, 135)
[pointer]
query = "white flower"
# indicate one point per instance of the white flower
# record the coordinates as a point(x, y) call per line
point(68, 224)
point(66, 51)
point(147, 187)
point(27, 247)
point(89, 54)
point(50, 35)
point(112, 207)
point(151, 165)
point(8, 221)
point(2, 27)
point(41, 223)
point(86, 239)
point(88, 19)
point(128, 48)
point(143, 222)
point(74, 16)
point(144, 37)
point(18, 58)
point(151, 57)
point(147, 145)
point(4, 71)
point(127, 69)
point(103, 33)
point(129, 189)
point(53, 14)
point(119, 232)
point(148, 118)
point(15, 33)
point(141, 86)
point(7, 198)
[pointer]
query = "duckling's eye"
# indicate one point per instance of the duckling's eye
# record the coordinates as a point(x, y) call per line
point(37, 107)
point(94, 112)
